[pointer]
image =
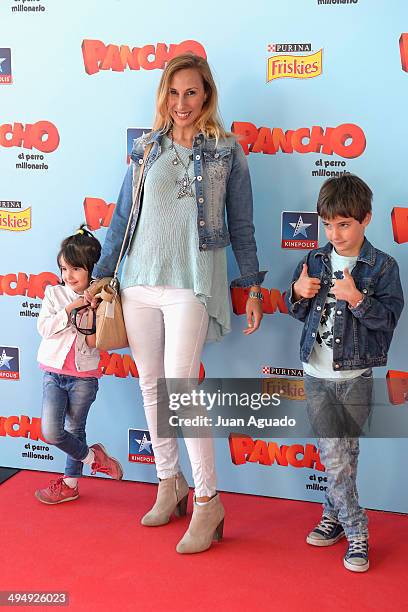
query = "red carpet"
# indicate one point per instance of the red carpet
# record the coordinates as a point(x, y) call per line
point(95, 549)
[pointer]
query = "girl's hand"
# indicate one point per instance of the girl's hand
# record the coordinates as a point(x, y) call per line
point(90, 299)
point(254, 314)
point(75, 304)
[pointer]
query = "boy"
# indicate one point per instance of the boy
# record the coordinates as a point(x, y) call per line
point(349, 296)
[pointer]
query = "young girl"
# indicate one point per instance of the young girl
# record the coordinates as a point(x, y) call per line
point(70, 363)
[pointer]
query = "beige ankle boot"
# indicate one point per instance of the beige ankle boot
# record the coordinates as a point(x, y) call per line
point(172, 496)
point(206, 524)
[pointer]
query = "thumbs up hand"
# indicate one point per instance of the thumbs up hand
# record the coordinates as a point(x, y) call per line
point(345, 289)
point(306, 286)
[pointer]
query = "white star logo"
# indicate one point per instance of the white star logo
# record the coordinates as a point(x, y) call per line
point(2, 59)
point(300, 227)
point(4, 360)
point(144, 444)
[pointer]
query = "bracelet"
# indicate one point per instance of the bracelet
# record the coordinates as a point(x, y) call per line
point(256, 294)
point(358, 303)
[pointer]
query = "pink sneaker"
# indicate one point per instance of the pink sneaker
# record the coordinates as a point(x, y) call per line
point(105, 464)
point(57, 492)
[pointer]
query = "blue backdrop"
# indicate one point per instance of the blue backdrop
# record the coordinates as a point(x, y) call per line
point(68, 98)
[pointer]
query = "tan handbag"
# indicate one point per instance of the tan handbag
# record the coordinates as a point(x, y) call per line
point(110, 325)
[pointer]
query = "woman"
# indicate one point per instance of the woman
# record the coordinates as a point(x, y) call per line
point(174, 280)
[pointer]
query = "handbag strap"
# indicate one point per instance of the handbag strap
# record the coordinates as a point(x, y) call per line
point(135, 199)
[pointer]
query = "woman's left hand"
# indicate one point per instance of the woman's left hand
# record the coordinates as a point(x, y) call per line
point(254, 314)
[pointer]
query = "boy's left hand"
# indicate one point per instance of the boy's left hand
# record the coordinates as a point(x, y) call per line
point(345, 289)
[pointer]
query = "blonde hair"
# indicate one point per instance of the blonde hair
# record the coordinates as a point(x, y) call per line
point(209, 122)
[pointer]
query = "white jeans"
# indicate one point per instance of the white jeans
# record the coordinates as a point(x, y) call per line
point(166, 328)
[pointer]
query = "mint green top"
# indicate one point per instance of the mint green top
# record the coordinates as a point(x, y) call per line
point(164, 249)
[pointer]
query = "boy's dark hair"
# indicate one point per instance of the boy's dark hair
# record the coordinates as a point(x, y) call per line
point(81, 250)
point(344, 196)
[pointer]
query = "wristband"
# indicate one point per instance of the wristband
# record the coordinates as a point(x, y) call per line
point(358, 303)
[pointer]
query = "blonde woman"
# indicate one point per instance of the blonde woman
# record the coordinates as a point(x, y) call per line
point(174, 281)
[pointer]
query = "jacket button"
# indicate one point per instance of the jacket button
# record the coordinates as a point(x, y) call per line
point(326, 259)
point(202, 223)
point(199, 178)
point(140, 162)
point(204, 246)
point(216, 155)
point(325, 281)
point(318, 308)
point(198, 157)
point(339, 312)
point(364, 290)
point(198, 141)
point(336, 365)
point(313, 335)
point(337, 340)
point(201, 200)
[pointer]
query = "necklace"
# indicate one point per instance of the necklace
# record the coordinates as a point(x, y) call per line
point(185, 183)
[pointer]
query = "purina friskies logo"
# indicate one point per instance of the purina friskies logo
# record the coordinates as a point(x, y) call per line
point(289, 64)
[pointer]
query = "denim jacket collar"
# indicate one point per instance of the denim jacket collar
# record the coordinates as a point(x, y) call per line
point(157, 135)
point(367, 253)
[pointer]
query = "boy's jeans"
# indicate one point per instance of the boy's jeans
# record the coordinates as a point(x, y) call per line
point(66, 403)
point(337, 411)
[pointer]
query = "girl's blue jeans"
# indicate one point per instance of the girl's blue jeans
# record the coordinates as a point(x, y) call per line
point(66, 403)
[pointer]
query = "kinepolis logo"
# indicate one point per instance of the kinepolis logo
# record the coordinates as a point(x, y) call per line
point(28, 6)
point(140, 446)
point(5, 67)
point(98, 56)
point(285, 66)
point(14, 220)
point(346, 140)
point(299, 230)
point(9, 363)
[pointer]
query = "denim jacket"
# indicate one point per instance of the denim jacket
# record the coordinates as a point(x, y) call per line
point(362, 335)
point(222, 184)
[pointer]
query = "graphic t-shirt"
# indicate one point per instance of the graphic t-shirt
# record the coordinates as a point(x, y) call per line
point(321, 359)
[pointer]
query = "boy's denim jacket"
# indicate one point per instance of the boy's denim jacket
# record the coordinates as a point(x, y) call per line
point(362, 335)
point(222, 183)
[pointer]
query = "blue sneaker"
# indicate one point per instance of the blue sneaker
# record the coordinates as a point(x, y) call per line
point(356, 557)
point(327, 532)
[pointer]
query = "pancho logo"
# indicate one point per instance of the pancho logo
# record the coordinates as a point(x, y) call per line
point(399, 218)
point(244, 449)
point(32, 286)
point(397, 385)
point(293, 66)
point(98, 56)
point(403, 44)
point(273, 300)
point(98, 213)
point(42, 135)
point(346, 140)
point(21, 427)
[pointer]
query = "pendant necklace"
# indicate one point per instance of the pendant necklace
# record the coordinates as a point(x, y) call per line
point(185, 183)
